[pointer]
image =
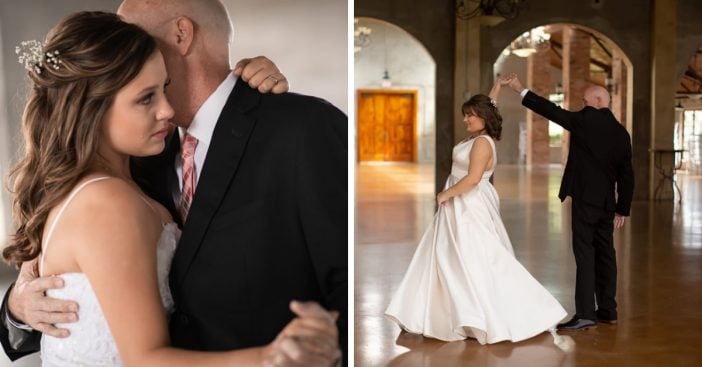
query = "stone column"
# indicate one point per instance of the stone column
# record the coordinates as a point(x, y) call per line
point(576, 73)
point(467, 70)
point(539, 82)
point(663, 84)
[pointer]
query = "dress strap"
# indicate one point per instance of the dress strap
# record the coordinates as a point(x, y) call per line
point(75, 191)
point(494, 150)
point(153, 208)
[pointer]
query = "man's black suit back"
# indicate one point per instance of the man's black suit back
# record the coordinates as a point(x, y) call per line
point(599, 157)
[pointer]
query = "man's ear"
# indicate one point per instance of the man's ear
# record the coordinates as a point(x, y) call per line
point(184, 35)
point(601, 102)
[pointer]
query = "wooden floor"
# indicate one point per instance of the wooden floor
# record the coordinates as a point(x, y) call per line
point(659, 255)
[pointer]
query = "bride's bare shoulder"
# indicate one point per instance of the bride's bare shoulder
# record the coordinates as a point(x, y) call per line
point(108, 200)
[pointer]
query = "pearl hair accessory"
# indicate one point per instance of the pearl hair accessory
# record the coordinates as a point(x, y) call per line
point(32, 55)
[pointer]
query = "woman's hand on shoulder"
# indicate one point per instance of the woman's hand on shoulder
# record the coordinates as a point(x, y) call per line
point(261, 73)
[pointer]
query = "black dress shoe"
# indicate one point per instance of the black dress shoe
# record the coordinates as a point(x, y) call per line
point(577, 324)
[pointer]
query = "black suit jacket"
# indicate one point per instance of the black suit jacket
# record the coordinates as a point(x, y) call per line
point(267, 225)
point(268, 222)
point(599, 157)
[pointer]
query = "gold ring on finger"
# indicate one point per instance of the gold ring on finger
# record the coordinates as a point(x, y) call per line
point(275, 80)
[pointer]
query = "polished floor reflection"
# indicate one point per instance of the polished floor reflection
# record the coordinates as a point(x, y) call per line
point(659, 254)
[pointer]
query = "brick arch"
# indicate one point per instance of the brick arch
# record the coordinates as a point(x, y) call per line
point(628, 83)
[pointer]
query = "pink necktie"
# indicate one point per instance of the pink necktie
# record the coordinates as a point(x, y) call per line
point(189, 176)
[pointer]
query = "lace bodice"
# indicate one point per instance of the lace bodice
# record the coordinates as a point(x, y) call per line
point(91, 342)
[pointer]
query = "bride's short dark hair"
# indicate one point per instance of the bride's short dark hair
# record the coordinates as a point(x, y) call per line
point(483, 107)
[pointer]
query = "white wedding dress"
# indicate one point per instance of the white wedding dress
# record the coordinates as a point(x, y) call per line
point(91, 343)
point(464, 281)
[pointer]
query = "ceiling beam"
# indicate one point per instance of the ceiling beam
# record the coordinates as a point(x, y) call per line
point(598, 63)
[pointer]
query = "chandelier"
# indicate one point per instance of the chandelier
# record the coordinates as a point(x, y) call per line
point(529, 42)
point(491, 12)
point(361, 37)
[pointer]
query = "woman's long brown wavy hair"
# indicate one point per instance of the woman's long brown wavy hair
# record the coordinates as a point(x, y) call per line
point(482, 106)
point(62, 119)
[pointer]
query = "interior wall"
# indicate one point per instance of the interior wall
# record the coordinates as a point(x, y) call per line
point(409, 66)
point(307, 39)
point(510, 149)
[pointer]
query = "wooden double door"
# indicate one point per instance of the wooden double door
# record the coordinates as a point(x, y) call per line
point(387, 125)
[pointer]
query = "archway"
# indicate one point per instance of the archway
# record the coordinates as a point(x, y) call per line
point(594, 59)
point(394, 81)
point(394, 63)
point(688, 116)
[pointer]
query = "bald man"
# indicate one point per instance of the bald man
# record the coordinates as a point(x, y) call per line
point(267, 223)
point(599, 161)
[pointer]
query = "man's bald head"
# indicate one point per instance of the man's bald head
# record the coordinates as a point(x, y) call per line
point(597, 97)
point(209, 16)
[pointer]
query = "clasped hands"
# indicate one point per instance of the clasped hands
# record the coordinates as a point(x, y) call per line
point(311, 339)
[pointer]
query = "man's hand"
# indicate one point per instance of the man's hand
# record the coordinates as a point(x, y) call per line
point(311, 339)
point(29, 304)
point(261, 73)
point(516, 85)
point(505, 80)
point(619, 221)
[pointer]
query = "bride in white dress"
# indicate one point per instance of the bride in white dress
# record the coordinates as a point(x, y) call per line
point(464, 281)
point(93, 105)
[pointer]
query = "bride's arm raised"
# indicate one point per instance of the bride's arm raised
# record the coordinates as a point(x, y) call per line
point(115, 248)
point(497, 87)
point(480, 157)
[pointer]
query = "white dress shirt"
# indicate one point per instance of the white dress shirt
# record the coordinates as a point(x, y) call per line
point(203, 126)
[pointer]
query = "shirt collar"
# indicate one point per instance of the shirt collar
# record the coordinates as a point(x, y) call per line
point(205, 119)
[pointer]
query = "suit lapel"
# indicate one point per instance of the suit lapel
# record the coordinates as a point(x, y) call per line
point(229, 139)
